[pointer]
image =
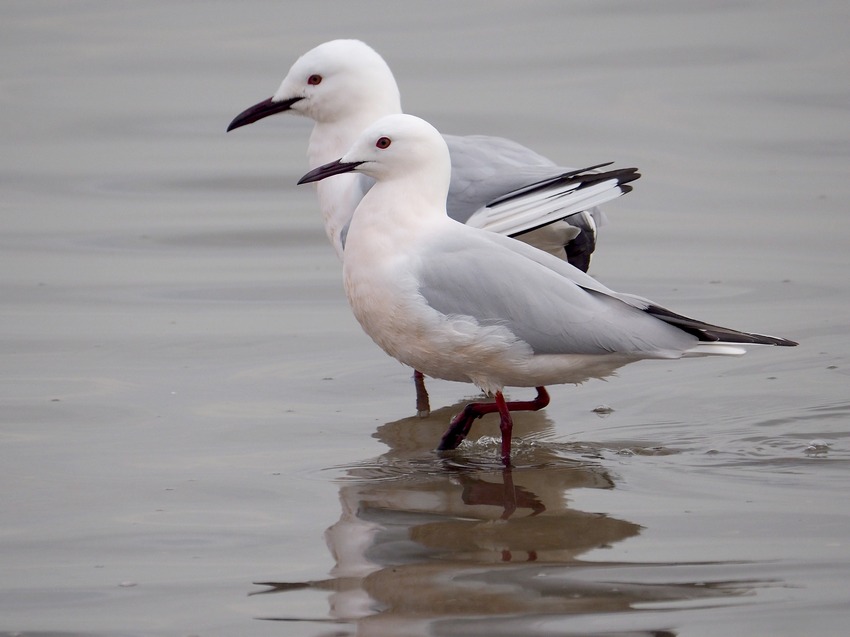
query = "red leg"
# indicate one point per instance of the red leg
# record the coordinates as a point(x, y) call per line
point(462, 423)
point(540, 401)
point(506, 425)
point(423, 403)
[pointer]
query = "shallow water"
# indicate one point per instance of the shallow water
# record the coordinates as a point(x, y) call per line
point(197, 439)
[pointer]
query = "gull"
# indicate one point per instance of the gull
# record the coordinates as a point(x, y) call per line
point(497, 184)
point(463, 304)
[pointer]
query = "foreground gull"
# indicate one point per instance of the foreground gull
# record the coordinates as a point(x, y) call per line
point(463, 304)
point(497, 184)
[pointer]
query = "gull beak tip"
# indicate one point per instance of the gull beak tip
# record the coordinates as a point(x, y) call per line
point(330, 169)
point(260, 111)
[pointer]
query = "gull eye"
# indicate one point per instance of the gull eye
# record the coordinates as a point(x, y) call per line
point(383, 142)
point(314, 79)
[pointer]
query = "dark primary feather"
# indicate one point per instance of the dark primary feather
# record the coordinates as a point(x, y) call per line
point(582, 176)
point(714, 333)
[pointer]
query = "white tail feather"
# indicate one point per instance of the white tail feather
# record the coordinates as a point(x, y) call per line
point(541, 208)
point(715, 349)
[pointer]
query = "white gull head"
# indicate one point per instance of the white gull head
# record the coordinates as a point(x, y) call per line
point(340, 79)
point(398, 148)
point(338, 82)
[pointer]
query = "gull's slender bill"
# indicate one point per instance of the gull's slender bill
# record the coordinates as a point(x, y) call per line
point(260, 111)
point(329, 170)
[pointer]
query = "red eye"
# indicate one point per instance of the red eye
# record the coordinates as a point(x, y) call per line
point(383, 142)
point(314, 79)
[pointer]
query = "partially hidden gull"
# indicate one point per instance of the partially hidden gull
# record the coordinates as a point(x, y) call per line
point(497, 184)
point(463, 304)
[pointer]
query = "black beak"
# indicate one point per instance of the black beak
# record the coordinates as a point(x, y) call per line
point(261, 110)
point(329, 170)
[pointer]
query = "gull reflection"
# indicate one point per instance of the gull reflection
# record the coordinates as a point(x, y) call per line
point(425, 536)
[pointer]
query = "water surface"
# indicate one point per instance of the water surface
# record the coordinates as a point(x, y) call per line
point(197, 439)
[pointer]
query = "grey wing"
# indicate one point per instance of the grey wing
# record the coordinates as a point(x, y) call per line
point(703, 331)
point(571, 195)
point(486, 168)
point(541, 305)
point(502, 186)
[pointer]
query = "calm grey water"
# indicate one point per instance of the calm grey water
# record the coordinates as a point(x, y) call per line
point(197, 439)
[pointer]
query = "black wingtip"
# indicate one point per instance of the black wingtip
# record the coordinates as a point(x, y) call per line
point(714, 333)
point(584, 176)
